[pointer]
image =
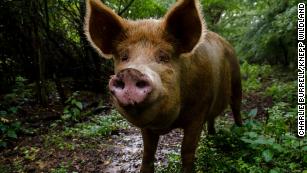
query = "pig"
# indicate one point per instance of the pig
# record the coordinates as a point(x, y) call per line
point(169, 73)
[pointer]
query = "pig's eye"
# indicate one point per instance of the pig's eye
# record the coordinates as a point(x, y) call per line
point(124, 57)
point(163, 57)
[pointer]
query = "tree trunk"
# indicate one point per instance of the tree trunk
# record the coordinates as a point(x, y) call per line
point(36, 44)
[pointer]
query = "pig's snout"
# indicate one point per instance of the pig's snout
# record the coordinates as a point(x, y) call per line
point(130, 87)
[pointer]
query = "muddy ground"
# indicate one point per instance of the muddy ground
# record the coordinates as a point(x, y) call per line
point(119, 152)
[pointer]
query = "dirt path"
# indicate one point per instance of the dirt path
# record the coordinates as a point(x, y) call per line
point(120, 153)
point(126, 150)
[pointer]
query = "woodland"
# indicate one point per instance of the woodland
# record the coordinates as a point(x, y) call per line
point(55, 109)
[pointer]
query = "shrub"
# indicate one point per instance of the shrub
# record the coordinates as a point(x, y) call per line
point(285, 92)
point(73, 108)
point(252, 76)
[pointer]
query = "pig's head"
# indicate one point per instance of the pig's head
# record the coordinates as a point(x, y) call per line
point(147, 62)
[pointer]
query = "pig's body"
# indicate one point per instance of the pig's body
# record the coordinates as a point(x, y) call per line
point(209, 77)
point(169, 73)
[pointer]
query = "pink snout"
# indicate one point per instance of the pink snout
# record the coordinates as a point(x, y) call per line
point(130, 87)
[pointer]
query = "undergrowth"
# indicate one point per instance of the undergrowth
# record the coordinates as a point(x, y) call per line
point(9, 107)
point(97, 127)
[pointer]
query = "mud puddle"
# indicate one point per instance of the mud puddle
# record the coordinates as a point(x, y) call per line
point(125, 150)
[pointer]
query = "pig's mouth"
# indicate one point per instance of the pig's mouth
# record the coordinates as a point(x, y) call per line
point(133, 102)
point(143, 114)
point(134, 108)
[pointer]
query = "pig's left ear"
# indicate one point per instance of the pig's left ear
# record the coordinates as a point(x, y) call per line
point(102, 27)
point(184, 25)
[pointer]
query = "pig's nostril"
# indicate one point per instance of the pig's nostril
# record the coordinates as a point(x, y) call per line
point(142, 84)
point(119, 84)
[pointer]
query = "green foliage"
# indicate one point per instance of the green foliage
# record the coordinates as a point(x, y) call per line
point(63, 168)
point(174, 164)
point(30, 153)
point(276, 140)
point(140, 9)
point(261, 31)
point(98, 126)
point(8, 131)
point(20, 93)
point(214, 10)
point(282, 119)
point(9, 107)
point(72, 112)
point(252, 75)
point(275, 31)
point(281, 91)
point(65, 16)
point(59, 141)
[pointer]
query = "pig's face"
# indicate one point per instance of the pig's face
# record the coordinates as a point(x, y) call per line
point(146, 54)
point(145, 87)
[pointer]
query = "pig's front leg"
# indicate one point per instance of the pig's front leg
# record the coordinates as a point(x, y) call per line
point(188, 147)
point(150, 142)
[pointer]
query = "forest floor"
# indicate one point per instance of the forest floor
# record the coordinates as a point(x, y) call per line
point(55, 148)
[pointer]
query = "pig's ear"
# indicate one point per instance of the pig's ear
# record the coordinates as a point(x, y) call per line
point(102, 27)
point(184, 24)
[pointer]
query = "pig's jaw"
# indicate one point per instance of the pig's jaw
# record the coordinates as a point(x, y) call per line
point(137, 114)
point(150, 115)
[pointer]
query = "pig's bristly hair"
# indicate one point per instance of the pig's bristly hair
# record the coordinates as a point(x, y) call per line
point(102, 41)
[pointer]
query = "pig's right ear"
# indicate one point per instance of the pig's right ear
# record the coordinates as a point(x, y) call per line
point(102, 27)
